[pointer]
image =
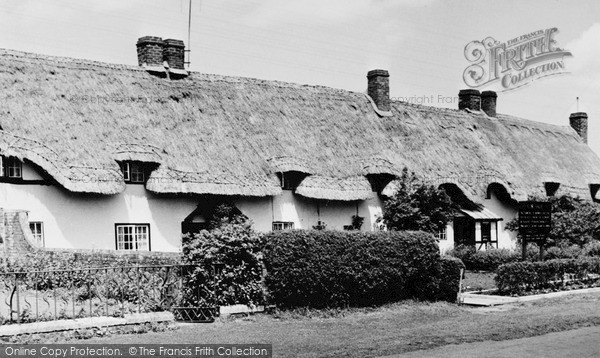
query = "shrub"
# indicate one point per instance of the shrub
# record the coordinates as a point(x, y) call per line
point(226, 213)
point(523, 276)
point(230, 268)
point(417, 206)
point(574, 221)
point(592, 249)
point(563, 252)
point(334, 268)
point(487, 260)
point(79, 275)
point(448, 278)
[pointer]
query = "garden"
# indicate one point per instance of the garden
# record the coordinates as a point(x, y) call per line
point(570, 258)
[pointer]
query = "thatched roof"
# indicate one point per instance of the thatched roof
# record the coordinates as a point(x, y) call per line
point(223, 135)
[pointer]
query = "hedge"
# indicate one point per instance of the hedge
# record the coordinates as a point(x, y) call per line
point(525, 276)
point(448, 278)
point(320, 268)
point(65, 259)
point(484, 260)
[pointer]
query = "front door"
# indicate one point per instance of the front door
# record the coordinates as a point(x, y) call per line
point(464, 231)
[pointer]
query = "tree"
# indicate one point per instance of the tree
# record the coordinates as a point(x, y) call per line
point(417, 206)
point(574, 221)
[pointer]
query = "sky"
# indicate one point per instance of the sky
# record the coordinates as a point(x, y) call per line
point(333, 43)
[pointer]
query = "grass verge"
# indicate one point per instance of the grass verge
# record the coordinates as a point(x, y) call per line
point(392, 329)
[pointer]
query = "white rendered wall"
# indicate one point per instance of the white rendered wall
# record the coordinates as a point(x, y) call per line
point(305, 212)
point(447, 244)
point(506, 239)
point(88, 221)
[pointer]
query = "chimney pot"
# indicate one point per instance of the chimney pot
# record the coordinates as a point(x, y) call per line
point(174, 53)
point(150, 50)
point(488, 102)
point(379, 88)
point(469, 99)
point(579, 122)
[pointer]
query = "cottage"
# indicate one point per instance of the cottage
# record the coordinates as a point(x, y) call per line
point(103, 156)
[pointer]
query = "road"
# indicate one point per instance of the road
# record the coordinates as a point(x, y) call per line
point(580, 343)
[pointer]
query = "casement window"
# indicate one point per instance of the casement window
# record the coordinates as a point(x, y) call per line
point(11, 167)
point(134, 172)
point(133, 237)
point(283, 225)
point(37, 230)
point(442, 234)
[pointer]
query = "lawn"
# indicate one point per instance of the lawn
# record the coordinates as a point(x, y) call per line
point(395, 328)
point(478, 280)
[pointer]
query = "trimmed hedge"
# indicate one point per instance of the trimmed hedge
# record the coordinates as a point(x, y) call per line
point(64, 259)
point(320, 268)
point(487, 260)
point(448, 278)
point(524, 276)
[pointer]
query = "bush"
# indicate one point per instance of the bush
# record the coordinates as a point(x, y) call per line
point(574, 221)
point(592, 249)
point(79, 275)
point(487, 260)
point(334, 269)
point(230, 267)
point(563, 252)
point(524, 276)
point(448, 278)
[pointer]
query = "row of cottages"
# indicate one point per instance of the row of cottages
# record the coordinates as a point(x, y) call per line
point(104, 156)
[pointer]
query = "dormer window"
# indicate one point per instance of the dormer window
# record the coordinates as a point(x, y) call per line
point(551, 188)
point(11, 167)
point(595, 192)
point(290, 180)
point(379, 181)
point(135, 172)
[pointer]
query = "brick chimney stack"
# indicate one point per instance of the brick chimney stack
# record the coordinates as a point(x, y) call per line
point(469, 99)
point(174, 53)
point(488, 102)
point(150, 51)
point(579, 122)
point(379, 88)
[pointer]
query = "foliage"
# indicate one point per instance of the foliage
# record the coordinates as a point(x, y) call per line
point(226, 213)
point(592, 249)
point(524, 276)
point(574, 221)
point(102, 278)
point(229, 265)
point(563, 252)
point(447, 279)
point(487, 260)
point(417, 206)
point(357, 222)
point(339, 268)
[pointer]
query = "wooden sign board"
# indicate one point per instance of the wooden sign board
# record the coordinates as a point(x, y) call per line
point(535, 219)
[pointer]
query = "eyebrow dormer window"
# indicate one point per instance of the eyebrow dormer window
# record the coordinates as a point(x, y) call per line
point(11, 167)
point(290, 180)
point(135, 172)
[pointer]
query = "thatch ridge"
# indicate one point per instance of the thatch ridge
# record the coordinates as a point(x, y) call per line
point(213, 134)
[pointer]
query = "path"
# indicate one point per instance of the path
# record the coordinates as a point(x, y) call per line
point(580, 343)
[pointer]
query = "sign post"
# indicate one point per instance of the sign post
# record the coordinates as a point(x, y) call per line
point(535, 223)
